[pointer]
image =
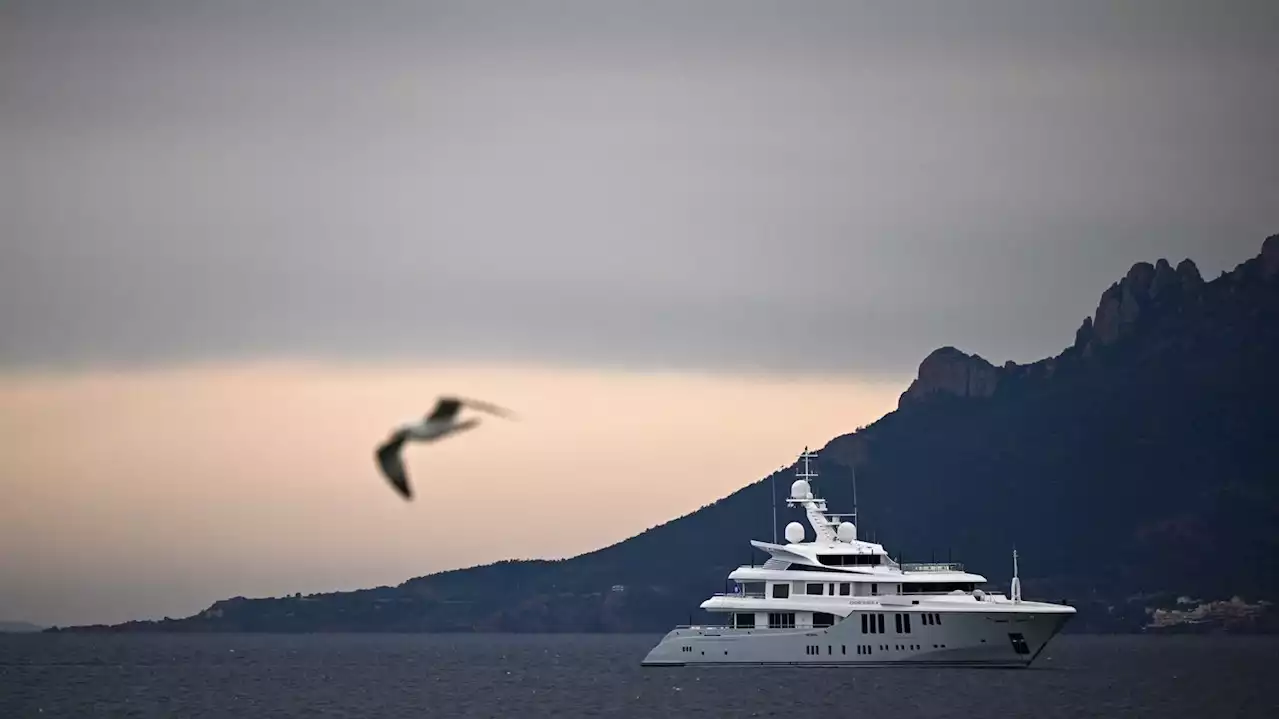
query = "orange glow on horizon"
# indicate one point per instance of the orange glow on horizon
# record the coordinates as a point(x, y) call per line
point(139, 494)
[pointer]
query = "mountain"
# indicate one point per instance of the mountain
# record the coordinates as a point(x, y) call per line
point(1135, 472)
point(18, 627)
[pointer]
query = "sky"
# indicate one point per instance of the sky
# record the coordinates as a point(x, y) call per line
point(238, 241)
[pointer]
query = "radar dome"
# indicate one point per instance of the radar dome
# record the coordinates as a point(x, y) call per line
point(794, 532)
point(846, 532)
point(799, 489)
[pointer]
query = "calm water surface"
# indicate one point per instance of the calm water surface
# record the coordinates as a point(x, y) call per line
point(370, 676)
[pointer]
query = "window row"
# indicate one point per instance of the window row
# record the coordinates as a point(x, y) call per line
point(874, 623)
point(833, 589)
point(780, 620)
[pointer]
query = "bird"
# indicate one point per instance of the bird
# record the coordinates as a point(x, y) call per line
point(440, 422)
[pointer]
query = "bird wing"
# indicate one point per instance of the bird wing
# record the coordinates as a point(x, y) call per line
point(488, 407)
point(392, 465)
point(446, 408)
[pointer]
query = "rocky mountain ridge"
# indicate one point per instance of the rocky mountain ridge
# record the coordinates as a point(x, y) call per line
point(1145, 289)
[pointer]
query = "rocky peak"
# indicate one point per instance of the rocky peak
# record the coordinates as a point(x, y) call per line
point(947, 370)
point(1125, 301)
point(1165, 279)
point(1138, 280)
point(1084, 335)
point(1189, 274)
point(1269, 257)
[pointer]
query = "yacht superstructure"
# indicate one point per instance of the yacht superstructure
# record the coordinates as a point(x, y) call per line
point(838, 600)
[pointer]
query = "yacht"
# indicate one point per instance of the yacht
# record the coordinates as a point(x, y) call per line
point(836, 600)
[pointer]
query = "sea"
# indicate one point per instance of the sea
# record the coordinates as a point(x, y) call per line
point(368, 676)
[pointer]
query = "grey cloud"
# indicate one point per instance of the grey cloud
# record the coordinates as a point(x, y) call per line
point(793, 186)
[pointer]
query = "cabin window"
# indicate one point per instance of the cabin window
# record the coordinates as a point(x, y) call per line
point(813, 588)
point(937, 619)
point(814, 568)
point(823, 619)
point(831, 589)
point(849, 560)
point(781, 591)
point(936, 587)
point(875, 589)
point(897, 623)
point(782, 620)
point(844, 590)
point(873, 624)
point(744, 620)
point(752, 589)
point(906, 623)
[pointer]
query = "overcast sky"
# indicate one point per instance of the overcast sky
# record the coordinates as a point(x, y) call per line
point(251, 236)
point(829, 186)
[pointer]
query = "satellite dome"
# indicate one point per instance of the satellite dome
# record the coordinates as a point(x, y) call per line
point(794, 532)
point(799, 489)
point(846, 532)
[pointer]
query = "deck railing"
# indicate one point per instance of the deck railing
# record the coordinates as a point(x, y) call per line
point(933, 567)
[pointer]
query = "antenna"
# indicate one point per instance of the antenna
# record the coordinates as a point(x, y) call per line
point(853, 471)
point(806, 474)
point(773, 489)
point(1015, 586)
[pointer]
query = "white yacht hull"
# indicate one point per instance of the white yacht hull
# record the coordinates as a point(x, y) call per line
point(963, 639)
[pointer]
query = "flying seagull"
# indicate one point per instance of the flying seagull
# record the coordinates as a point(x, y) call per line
point(442, 421)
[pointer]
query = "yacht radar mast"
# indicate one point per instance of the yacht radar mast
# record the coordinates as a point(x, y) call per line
point(828, 529)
